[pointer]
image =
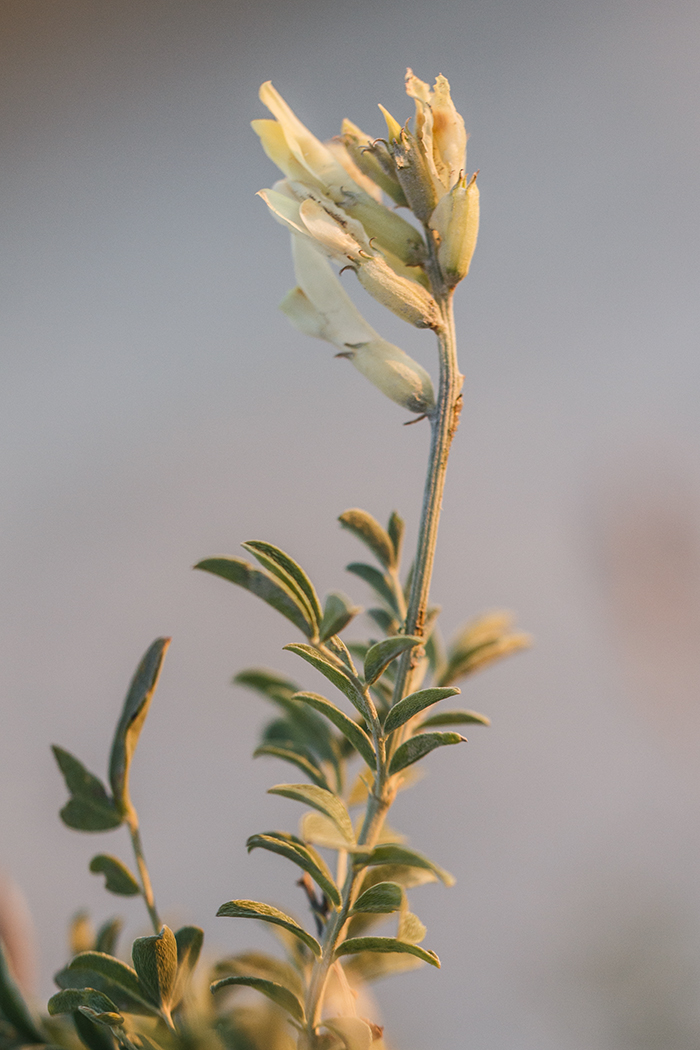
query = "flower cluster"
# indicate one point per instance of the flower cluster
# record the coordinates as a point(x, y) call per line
point(332, 200)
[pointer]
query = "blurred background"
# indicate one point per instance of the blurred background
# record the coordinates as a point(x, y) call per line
point(156, 409)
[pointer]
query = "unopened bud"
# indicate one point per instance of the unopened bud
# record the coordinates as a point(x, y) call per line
point(414, 175)
point(394, 373)
point(389, 230)
point(456, 222)
point(374, 160)
point(406, 298)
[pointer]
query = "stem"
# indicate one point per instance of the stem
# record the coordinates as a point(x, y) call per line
point(443, 426)
point(146, 888)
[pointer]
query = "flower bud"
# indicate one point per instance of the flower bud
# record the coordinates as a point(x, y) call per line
point(373, 158)
point(406, 298)
point(389, 230)
point(412, 170)
point(393, 372)
point(456, 221)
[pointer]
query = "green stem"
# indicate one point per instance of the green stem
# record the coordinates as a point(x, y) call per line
point(146, 887)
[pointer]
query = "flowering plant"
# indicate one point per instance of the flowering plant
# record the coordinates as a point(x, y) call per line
point(357, 749)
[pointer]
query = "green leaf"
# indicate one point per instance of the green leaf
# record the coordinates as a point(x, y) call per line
point(244, 909)
point(384, 620)
point(335, 675)
point(107, 935)
point(277, 992)
point(337, 614)
point(116, 974)
point(349, 728)
point(289, 572)
point(395, 529)
point(456, 718)
point(94, 1035)
point(118, 878)
point(419, 746)
point(385, 944)
point(259, 583)
point(393, 853)
point(155, 962)
point(355, 1033)
point(405, 709)
point(138, 700)
point(378, 581)
point(71, 999)
point(13, 1006)
point(304, 762)
point(368, 529)
point(270, 684)
point(90, 808)
point(320, 799)
point(385, 897)
point(380, 655)
point(299, 853)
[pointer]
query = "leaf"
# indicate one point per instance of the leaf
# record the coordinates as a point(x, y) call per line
point(480, 642)
point(260, 964)
point(384, 898)
point(385, 944)
point(355, 1033)
point(90, 808)
point(189, 941)
point(155, 962)
point(337, 614)
point(118, 878)
point(372, 966)
point(380, 655)
point(391, 853)
point(455, 718)
point(259, 583)
point(395, 529)
point(114, 971)
point(304, 762)
point(317, 828)
point(368, 529)
point(244, 909)
point(339, 678)
point(419, 746)
point(299, 853)
point(138, 700)
point(13, 1006)
point(71, 999)
point(94, 1035)
point(349, 728)
point(384, 620)
point(289, 572)
point(405, 709)
point(81, 933)
point(378, 581)
point(270, 684)
point(277, 992)
point(107, 935)
point(320, 799)
point(411, 928)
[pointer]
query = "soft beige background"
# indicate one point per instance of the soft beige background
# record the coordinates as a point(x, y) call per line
point(157, 409)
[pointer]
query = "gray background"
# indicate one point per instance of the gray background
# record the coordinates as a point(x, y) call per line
point(156, 408)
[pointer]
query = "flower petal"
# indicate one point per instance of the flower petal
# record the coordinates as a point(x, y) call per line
point(344, 322)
